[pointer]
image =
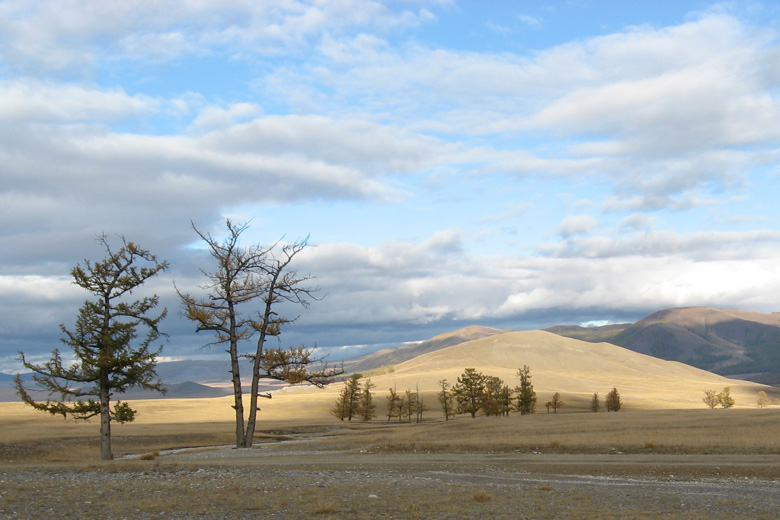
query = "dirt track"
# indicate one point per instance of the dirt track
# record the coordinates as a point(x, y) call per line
point(306, 479)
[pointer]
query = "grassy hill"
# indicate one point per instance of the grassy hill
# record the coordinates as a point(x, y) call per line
point(391, 356)
point(727, 342)
point(572, 367)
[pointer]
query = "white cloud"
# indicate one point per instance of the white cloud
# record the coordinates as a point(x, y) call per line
point(577, 225)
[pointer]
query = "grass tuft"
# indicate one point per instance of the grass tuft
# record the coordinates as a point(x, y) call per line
point(481, 495)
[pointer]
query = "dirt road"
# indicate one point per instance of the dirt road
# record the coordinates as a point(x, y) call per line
point(303, 478)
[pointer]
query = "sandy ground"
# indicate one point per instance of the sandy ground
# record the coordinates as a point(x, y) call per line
point(306, 477)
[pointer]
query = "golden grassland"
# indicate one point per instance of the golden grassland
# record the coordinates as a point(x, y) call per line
point(29, 435)
point(662, 408)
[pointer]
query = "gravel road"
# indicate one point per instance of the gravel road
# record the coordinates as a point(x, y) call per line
point(298, 479)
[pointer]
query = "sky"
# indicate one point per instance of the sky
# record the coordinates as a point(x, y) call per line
point(516, 164)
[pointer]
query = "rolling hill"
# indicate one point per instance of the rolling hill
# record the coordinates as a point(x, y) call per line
point(391, 356)
point(572, 367)
point(727, 342)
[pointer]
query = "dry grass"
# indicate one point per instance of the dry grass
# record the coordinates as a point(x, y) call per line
point(481, 495)
point(655, 431)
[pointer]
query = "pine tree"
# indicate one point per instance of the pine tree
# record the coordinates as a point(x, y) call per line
point(469, 392)
point(613, 401)
point(110, 358)
point(526, 397)
point(348, 403)
point(366, 407)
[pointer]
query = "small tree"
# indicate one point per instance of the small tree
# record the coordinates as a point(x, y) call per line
point(446, 400)
point(366, 407)
point(556, 402)
point(526, 397)
point(348, 402)
point(725, 399)
point(762, 399)
point(493, 400)
point(595, 405)
point(109, 356)
point(470, 391)
point(409, 405)
point(613, 401)
point(394, 404)
point(710, 398)
point(420, 404)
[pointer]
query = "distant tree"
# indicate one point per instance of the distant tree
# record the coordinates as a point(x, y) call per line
point(762, 399)
point(394, 404)
point(410, 405)
point(109, 356)
point(725, 399)
point(470, 391)
point(556, 402)
point(710, 398)
point(446, 400)
point(595, 405)
point(493, 398)
point(366, 407)
point(505, 400)
point(348, 402)
point(245, 277)
point(526, 397)
point(613, 401)
point(420, 408)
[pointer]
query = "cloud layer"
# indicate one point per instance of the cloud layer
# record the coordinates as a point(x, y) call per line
point(600, 177)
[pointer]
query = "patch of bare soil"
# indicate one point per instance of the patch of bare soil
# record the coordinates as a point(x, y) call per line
point(302, 477)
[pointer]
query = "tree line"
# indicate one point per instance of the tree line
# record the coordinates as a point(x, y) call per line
point(474, 393)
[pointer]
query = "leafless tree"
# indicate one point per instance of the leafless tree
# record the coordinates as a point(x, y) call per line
point(242, 295)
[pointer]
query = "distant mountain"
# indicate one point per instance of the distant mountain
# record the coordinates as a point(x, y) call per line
point(728, 342)
point(575, 368)
point(391, 356)
point(593, 334)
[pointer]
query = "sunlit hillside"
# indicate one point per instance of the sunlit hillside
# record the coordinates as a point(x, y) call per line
point(574, 368)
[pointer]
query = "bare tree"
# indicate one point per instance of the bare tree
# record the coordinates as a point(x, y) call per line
point(259, 278)
point(108, 357)
point(446, 400)
point(710, 398)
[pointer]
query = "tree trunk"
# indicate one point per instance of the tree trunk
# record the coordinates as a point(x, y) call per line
point(105, 426)
point(238, 404)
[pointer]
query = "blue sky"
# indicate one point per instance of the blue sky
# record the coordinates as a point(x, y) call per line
point(515, 164)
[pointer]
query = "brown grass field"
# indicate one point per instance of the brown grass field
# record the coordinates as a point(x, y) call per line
point(664, 455)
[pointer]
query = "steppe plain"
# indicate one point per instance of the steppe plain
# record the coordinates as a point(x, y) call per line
point(665, 455)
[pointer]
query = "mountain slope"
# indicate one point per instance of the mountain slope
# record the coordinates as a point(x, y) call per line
point(392, 356)
point(572, 367)
point(726, 342)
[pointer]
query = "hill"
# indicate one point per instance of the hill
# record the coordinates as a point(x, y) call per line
point(572, 367)
point(727, 342)
point(391, 356)
point(605, 333)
